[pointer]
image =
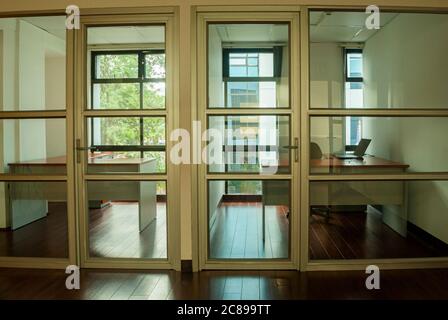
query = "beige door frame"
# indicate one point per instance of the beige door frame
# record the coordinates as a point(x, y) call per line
point(169, 19)
point(69, 179)
point(207, 15)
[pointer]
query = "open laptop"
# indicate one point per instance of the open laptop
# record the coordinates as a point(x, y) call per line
point(360, 151)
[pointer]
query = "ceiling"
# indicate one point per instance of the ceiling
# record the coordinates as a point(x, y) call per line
point(324, 27)
point(102, 35)
point(343, 26)
point(252, 32)
point(126, 35)
point(51, 24)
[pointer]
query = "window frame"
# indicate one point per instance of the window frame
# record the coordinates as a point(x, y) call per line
point(226, 78)
point(140, 80)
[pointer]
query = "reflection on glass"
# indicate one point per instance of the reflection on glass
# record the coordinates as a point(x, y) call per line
point(398, 144)
point(34, 224)
point(249, 144)
point(248, 66)
point(378, 219)
point(127, 219)
point(249, 219)
point(127, 79)
point(38, 46)
point(370, 68)
point(34, 146)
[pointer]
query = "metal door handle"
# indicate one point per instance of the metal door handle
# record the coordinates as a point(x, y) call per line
point(294, 147)
point(79, 148)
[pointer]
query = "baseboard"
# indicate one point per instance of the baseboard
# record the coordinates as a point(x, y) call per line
point(186, 266)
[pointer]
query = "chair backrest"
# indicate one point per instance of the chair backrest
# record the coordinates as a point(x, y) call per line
point(315, 151)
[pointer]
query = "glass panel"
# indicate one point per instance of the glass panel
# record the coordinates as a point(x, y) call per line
point(116, 96)
point(33, 63)
point(242, 75)
point(131, 144)
point(241, 144)
point(409, 73)
point(130, 79)
point(127, 219)
point(113, 66)
point(378, 219)
point(34, 224)
point(388, 145)
point(154, 95)
point(33, 146)
point(155, 65)
point(249, 219)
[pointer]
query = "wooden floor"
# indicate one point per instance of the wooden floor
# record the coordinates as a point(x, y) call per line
point(360, 235)
point(254, 285)
point(114, 233)
point(236, 233)
point(44, 238)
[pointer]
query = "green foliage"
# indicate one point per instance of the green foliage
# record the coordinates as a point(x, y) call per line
point(126, 131)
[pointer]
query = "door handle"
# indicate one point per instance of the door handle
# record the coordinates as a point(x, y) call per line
point(79, 148)
point(294, 147)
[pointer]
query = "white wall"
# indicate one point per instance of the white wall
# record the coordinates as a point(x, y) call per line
point(55, 99)
point(405, 66)
point(215, 89)
point(8, 102)
point(23, 82)
point(327, 91)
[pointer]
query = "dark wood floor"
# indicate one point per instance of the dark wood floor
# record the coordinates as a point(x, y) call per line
point(124, 285)
point(363, 235)
point(237, 232)
point(46, 237)
point(114, 233)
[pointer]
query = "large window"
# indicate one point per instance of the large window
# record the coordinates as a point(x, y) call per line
point(129, 80)
point(353, 93)
point(250, 77)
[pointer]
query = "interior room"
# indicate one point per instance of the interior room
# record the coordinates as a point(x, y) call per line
point(32, 65)
point(248, 68)
point(127, 219)
point(400, 65)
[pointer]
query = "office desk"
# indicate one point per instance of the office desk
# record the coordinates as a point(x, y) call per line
point(391, 195)
point(24, 198)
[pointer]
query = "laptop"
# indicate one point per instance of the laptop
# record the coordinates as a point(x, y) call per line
point(360, 151)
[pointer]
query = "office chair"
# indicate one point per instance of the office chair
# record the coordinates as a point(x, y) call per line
point(323, 211)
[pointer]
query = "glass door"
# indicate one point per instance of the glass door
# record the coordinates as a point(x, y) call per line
point(126, 189)
point(248, 106)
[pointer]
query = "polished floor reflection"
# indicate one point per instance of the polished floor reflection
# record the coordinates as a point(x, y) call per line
point(114, 232)
point(46, 237)
point(364, 235)
point(221, 285)
point(236, 233)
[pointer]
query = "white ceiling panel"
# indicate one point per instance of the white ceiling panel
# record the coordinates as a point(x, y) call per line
point(126, 35)
point(343, 26)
